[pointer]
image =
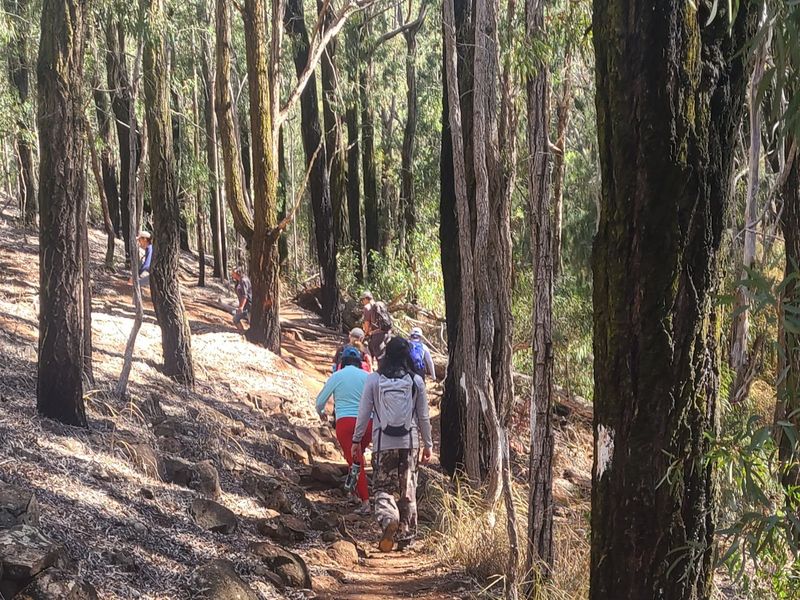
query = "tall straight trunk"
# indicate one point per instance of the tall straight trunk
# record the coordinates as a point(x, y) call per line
point(62, 323)
point(563, 108)
point(354, 191)
point(317, 162)
point(19, 73)
point(371, 223)
point(119, 84)
point(107, 166)
point(283, 194)
point(200, 213)
point(247, 168)
point(215, 208)
point(387, 204)
point(167, 301)
point(454, 417)
point(264, 258)
point(229, 139)
point(409, 141)
point(740, 356)
point(178, 148)
point(539, 558)
point(334, 138)
point(101, 192)
point(666, 132)
point(789, 340)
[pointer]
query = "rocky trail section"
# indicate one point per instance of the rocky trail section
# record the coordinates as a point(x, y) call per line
point(229, 491)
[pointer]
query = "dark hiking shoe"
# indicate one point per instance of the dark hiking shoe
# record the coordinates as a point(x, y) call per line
point(387, 541)
point(405, 544)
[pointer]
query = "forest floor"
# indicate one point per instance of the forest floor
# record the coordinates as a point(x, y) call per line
point(102, 491)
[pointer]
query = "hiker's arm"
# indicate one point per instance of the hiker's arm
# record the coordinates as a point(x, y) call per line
point(429, 366)
point(364, 411)
point(324, 395)
point(423, 415)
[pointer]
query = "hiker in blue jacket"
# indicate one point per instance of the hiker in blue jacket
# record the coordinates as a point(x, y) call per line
point(346, 386)
point(420, 355)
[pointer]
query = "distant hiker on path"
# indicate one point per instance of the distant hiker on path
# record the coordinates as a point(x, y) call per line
point(377, 325)
point(399, 403)
point(355, 340)
point(145, 243)
point(421, 359)
point(346, 386)
point(244, 292)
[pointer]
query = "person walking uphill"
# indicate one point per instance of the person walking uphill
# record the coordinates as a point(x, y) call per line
point(244, 294)
point(346, 386)
point(397, 398)
point(377, 323)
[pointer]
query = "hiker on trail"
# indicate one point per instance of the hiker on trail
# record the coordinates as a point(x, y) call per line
point(421, 359)
point(377, 325)
point(397, 401)
point(356, 341)
point(244, 292)
point(145, 242)
point(346, 386)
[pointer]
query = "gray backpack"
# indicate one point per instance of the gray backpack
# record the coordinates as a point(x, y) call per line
point(395, 405)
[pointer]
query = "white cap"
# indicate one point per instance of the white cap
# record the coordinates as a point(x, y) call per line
point(144, 235)
point(416, 332)
point(357, 333)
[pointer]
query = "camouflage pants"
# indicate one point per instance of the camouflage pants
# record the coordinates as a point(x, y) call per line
point(394, 487)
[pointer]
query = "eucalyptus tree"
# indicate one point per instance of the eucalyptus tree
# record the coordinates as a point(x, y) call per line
point(666, 132)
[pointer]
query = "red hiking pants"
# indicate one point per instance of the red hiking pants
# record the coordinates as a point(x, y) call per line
point(345, 427)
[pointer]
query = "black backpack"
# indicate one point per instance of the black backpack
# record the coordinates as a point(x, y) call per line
point(381, 318)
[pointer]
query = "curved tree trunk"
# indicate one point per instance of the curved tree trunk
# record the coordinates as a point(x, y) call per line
point(666, 131)
point(264, 256)
point(62, 324)
point(229, 140)
point(319, 181)
point(175, 333)
point(19, 74)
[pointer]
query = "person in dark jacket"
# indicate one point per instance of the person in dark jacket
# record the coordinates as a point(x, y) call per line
point(244, 293)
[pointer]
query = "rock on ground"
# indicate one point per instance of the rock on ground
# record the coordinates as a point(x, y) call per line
point(25, 552)
point(213, 516)
point(17, 507)
point(343, 553)
point(218, 580)
point(290, 567)
point(55, 584)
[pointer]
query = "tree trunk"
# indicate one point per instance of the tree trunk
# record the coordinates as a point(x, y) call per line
point(372, 225)
point(119, 84)
point(409, 140)
point(334, 144)
point(101, 192)
point(354, 191)
point(740, 357)
point(229, 140)
point(666, 131)
point(167, 301)
point(264, 258)
point(215, 207)
point(62, 324)
point(19, 73)
point(283, 194)
point(539, 558)
point(317, 161)
point(454, 417)
point(178, 148)
point(200, 214)
point(563, 107)
point(388, 203)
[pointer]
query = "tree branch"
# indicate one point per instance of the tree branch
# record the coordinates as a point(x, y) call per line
point(315, 54)
point(298, 196)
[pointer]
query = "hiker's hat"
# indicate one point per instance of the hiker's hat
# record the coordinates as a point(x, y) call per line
point(350, 353)
point(144, 235)
point(366, 296)
point(416, 332)
point(357, 333)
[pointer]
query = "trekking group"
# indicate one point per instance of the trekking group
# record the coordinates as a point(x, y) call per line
point(388, 409)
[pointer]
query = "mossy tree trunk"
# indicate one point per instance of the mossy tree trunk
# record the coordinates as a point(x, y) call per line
point(62, 323)
point(369, 168)
point(264, 256)
point(670, 91)
point(169, 309)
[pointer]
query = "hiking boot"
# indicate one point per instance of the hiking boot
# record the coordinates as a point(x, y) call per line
point(405, 544)
point(363, 510)
point(387, 541)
